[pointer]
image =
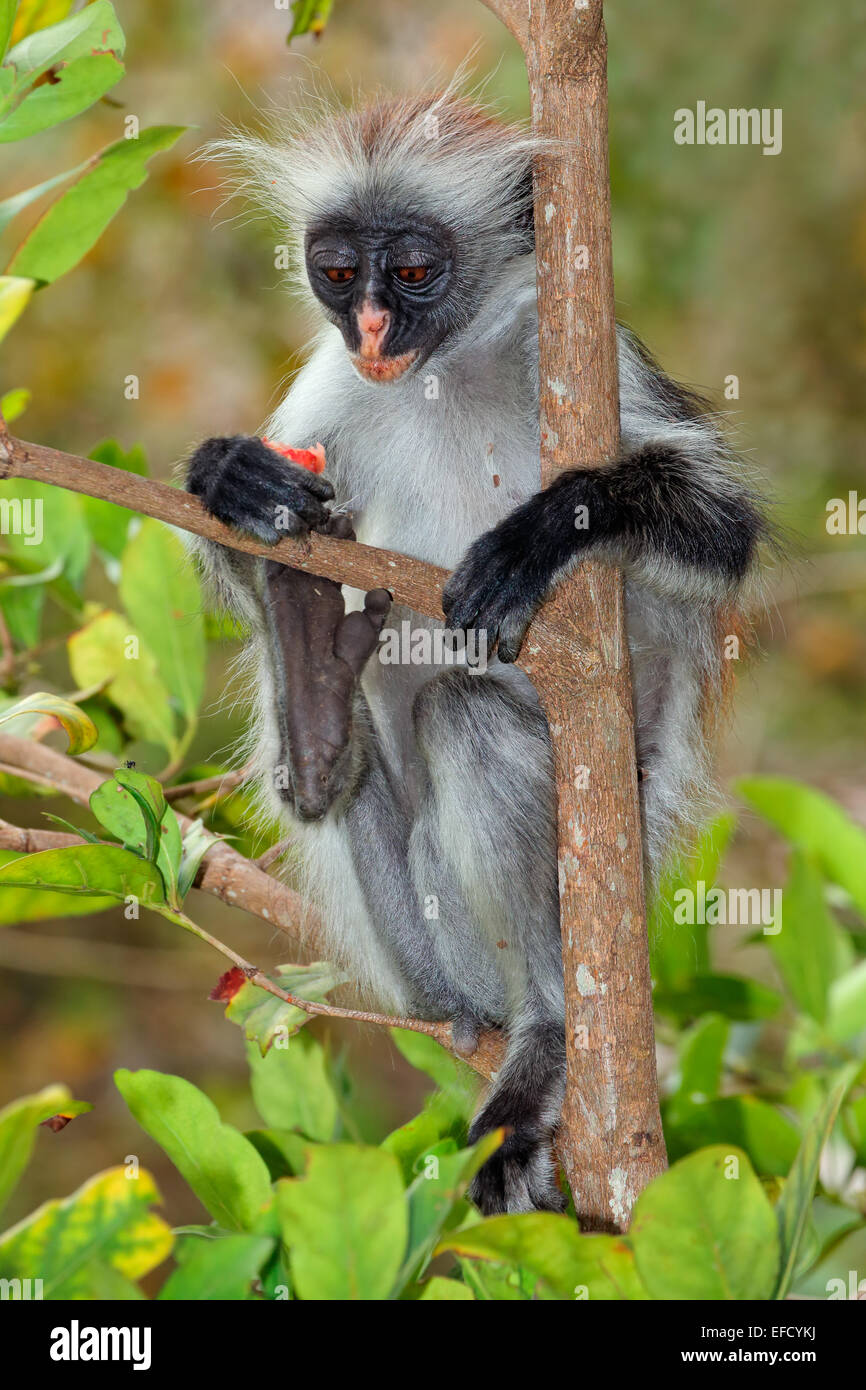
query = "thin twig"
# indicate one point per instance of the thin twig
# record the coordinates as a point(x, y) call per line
point(223, 782)
point(225, 874)
point(275, 852)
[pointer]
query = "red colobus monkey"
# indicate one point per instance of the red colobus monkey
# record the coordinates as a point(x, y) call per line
point(415, 784)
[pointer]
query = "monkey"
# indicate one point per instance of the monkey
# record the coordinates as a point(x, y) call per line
point(422, 797)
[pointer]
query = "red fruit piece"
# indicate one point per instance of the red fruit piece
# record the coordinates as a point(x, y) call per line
point(311, 459)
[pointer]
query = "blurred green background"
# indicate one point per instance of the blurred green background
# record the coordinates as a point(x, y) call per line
point(727, 262)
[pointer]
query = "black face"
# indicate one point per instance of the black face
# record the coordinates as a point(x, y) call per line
point(387, 287)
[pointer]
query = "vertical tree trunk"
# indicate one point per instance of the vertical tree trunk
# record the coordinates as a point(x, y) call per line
point(610, 1136)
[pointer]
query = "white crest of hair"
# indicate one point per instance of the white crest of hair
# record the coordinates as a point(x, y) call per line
point(439, 154)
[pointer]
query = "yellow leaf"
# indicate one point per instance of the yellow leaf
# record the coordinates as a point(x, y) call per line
point(15, 291)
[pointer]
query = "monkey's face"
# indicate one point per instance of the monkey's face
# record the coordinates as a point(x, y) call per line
point(388, 287)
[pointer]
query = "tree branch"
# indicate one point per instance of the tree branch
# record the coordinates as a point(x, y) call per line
point(411, 582)
point(611, 1138)
point(225, 874)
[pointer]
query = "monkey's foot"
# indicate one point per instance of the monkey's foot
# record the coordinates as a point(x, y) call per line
point(320, 652)
point(520, 1176)
point(466, 1029)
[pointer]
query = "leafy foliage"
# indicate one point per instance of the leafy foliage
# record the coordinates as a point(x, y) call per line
point(56, 64)
point(767, 1073)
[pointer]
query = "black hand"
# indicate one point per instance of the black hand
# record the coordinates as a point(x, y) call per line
point(506, 574)
point(253, 488)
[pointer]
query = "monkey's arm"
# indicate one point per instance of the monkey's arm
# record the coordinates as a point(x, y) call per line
point(679, 525)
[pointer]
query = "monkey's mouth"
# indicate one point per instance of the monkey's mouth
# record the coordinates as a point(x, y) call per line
point(383, 368)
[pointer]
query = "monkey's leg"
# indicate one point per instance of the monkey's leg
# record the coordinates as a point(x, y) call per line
point(488, 819)
point(378, 822)
point(333, 759)
point(318, 653)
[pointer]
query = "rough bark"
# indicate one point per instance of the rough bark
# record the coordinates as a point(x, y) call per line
point(610, 1135)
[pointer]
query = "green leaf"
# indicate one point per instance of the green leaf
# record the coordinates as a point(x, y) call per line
point(810, 820)
point(839, 1274)
point(97, 654)
point(79, 729)
point(94, 27)
point(15, 292)
point(806, 949)
point(18, 905)
point(426, 1055)
point(284, 1152)
point(194, 846)
point(123, 816)
point(87, 869)
point(14, 403)
point(457, 1082)
point(52, 541)
point(310, 17)
point(22, 609)
point(109, 524)
point(705, 1230)
point(440, 1119)
point(132, 806)
point(678, 952)
point(74, 223)
point(745, 1122)
point(345, 1224)
point(169, 856)
point(846, 1015)
point(292, 1089)
point(10, 207)
point(7, 20)
point(37, 14)
point(161, 594)
point(440, 1290)
point(219, 1164)
point(82, 54)
point(78, 85)
point(552, 1248)
point(18, 1124)
point(436, 1198)
point(855, 1128)
point(731, 995)
point(701, 1048)
point(264, 1018)
point(68, 1244)
point(794, 1205)
point(73, 829)
point(217, 1270)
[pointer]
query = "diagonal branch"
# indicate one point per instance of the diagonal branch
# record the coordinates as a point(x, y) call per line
point(411, 582)
point(224, 874)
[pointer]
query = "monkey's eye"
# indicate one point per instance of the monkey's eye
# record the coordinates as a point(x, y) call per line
point(412, 274)
point(340, 274)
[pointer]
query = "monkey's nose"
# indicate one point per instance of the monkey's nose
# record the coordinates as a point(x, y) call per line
point(373, 325)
